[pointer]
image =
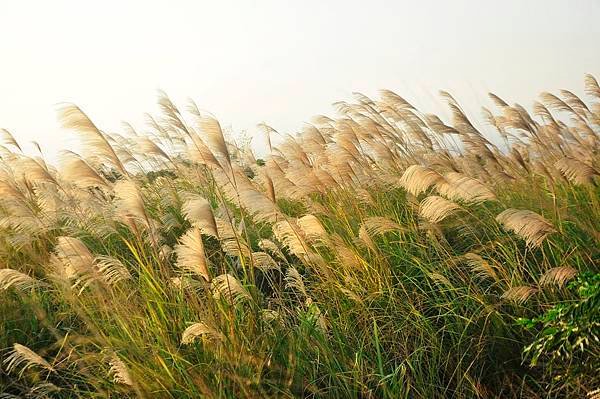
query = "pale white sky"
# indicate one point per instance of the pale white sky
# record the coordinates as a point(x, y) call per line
point(280, 61)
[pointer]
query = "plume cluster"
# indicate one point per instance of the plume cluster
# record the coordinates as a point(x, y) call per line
point(334, 254)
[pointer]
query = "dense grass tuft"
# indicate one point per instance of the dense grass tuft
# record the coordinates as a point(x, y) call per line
point(381, 253)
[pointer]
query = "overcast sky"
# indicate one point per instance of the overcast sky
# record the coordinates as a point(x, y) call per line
point(280, 61)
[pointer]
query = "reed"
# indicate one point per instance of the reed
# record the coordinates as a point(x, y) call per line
point(382, 252)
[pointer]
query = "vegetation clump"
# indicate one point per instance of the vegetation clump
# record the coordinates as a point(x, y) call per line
point(381, 253)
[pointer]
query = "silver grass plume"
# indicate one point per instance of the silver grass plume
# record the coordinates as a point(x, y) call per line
point(528, 225)
point(198, 212)
point(72, 117)
point(435, 208)
point(22, 358)
point(417, 178)
point(557, 276)
point(119, 372)
point(228, 287)
point(197, 330)
point(190, 253)
point(20, 281)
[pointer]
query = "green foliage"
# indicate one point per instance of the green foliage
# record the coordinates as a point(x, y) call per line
point(567, 336)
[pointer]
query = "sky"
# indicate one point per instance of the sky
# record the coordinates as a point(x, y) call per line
point(280, 62)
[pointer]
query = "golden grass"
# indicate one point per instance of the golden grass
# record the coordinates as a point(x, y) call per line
point(382, 252)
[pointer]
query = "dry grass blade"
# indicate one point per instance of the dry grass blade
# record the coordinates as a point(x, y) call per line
point(190, 253)
point(557, 276)
point(528, 225)
point(435, 208)
point(22, 358)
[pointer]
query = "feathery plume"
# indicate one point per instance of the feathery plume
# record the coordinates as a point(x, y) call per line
point(264, 261)
point(365, 238)
point(291, 237)
point(199, 212)
point(377, 225)
point(294, 280)
point(22, 358)
point(111, 269)
point(9, 139)
point(557, 276)
point(148, 147)
point(312, 228)
point(76, 170)
point(20, 281)
point(528, 225)
point(190, 253)
point(72, 117)
point(435, 208)
point(417, 178)
point(457, 186)
point(519, 294)
point(119, 371)
point(269, 315)
point(214, 136)
point(130, 204)
point(592, 88)
point(270, 246)
point(197, 330)
point(72, 260)
point(480, 266)
point(576, 171)
point(228, 287)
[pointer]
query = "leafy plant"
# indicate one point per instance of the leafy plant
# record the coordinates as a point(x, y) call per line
point(567, 336)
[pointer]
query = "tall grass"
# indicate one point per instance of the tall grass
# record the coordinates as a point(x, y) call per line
point(381, 253)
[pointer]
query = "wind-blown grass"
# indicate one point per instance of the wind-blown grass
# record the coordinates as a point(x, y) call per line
point(380, 253)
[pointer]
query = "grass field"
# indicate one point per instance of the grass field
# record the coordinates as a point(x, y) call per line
point(381, 253)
